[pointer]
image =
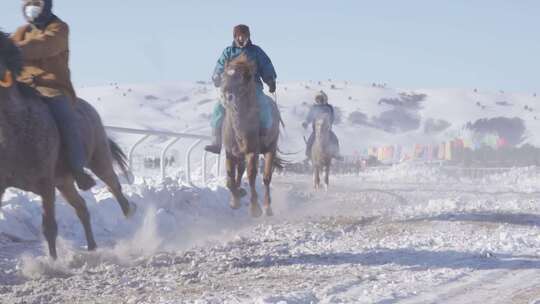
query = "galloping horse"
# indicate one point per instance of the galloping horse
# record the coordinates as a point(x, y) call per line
point(242, 141)
point(322, 151)
point(31, 155)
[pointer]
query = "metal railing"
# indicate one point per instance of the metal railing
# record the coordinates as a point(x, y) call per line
point(175, 137)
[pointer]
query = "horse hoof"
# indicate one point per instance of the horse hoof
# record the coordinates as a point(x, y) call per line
point(235, 205)
point(242, 192)
point(92, 248)
point(268, 211)
point(256, 210)
point(132, 210)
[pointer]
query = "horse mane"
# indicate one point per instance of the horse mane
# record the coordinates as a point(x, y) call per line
point(10, 54)
point(12, 58)
point(242, 62)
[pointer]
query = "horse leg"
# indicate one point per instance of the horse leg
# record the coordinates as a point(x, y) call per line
point(269, 159)
point(316, 177)
point(2, 190)
point(102, 167)
point(241, 169)
point(327, 175)
point(231, 164)
point(72, 196)
point(252, 163)
point(50, 228)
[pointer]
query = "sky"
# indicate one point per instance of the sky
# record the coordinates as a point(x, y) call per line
point(488, 44)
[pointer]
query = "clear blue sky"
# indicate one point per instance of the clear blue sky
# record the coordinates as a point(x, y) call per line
point(491, 44)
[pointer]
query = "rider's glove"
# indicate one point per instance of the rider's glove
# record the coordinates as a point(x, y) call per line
point(217, 80)
point(272, 86)
point(305, 125)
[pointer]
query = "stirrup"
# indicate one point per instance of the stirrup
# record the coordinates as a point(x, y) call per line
point(213, 149)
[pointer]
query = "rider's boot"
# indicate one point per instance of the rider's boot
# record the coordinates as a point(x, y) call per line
point(215, 146)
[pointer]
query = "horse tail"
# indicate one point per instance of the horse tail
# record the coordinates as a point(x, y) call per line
point(120, 158)
point(279, 162)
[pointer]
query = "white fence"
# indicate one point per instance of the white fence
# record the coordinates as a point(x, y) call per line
point(175, 137)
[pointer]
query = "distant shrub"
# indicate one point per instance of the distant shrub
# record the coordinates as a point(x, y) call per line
point(396, 121)
point(503, 104)
point(410, 101)
point(434, 126)
point(511, 129)
point(358, 118)
point(150, 97)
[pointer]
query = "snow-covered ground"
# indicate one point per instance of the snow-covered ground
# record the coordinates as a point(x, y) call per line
point(403, 234)
point(358, 243)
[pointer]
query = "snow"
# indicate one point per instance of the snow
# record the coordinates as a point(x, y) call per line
point(410, 233)
point(181, 106)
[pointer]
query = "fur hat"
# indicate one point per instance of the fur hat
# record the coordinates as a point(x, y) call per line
point(241, 29)
point(321, 98)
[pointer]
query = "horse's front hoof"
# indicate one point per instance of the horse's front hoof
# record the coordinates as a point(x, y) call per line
point(131, 211)
point(242, 192)
point(235, 204)
point(268, 211)
point(92, 247)
point(256, 210)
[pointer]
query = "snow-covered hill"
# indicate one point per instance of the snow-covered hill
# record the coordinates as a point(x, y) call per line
point(368, 115)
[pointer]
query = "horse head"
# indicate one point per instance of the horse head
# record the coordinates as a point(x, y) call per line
point(238, 83)
point(10, 63)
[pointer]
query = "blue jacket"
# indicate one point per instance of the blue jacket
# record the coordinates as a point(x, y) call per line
point(316, 110)
point(265, 68)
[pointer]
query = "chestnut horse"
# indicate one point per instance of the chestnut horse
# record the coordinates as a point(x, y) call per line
point(31, 154)
point(241, 133)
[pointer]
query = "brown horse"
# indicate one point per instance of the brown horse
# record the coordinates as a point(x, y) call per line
point(242, 141)
point(31, 157)
point(322, 151)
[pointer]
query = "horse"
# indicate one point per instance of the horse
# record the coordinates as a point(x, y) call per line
point(322, 151)
point(31, 155)
point(241, 135)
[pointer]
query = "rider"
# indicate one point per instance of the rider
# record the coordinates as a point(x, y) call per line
point(265, 70)
point(321, 107)
point(43, 43)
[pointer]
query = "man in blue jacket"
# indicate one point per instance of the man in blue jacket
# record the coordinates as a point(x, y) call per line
point(265, 73)
point(321, 107)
